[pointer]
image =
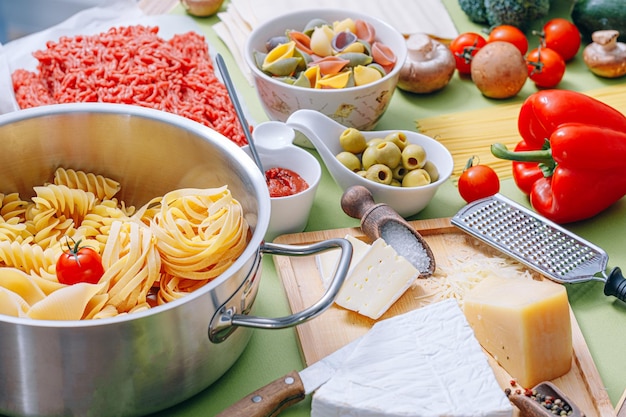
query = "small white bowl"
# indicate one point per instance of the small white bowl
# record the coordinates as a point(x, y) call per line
point(324, 133)
point(274, 144)
point(359, 107)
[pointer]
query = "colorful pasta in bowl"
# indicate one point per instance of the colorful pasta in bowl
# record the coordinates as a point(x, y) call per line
point(343, 64)
point(176, 214)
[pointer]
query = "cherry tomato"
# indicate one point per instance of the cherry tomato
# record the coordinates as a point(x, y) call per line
point(478, 181)
point(561, 36)
point(464, 47)
point(545, 67)
point(78, 264)
point(511, 34)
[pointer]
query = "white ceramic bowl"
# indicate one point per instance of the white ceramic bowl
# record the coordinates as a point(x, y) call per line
point(360, 107)
point(274, 144)
point(324, 133)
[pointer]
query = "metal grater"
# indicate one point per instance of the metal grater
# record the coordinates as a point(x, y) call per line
point(538, 243)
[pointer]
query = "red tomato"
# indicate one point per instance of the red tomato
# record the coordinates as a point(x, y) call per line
point(511, 34)
point(561, 36)
point(545, 67)
point(464, 47)
point(478, 181)
point(79, 265)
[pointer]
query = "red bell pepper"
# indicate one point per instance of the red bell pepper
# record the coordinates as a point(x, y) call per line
point(571, 158)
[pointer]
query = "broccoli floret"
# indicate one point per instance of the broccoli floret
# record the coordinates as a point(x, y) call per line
point(520, 13)
point(475, 10)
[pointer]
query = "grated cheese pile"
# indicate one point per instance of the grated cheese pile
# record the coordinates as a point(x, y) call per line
point(465, 268)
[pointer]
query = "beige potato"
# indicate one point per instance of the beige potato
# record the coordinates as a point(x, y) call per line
point(499, 70)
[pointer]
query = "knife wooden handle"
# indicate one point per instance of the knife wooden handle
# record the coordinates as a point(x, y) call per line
point(269, 400)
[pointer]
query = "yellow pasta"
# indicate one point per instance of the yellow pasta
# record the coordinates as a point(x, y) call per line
point(171, 246)
point(471, 133)
point(103, 188)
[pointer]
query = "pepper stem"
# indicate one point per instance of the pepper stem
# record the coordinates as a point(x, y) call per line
point(543, 157)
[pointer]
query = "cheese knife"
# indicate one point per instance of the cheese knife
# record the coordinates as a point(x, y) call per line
point(382, 221)
point(291, 388)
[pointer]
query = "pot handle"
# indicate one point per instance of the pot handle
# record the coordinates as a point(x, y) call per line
point(243, 320)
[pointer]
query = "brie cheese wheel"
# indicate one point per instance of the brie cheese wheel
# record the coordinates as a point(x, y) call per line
point(425, 363)
point(376, 281)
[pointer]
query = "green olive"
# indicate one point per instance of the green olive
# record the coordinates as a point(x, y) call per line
point(368, 158)
point(416, 178)
point(399, 138)
point(349, 160)
point(396, 183)
point(413, 156)
point(361, 173)
point(352, 140)
point(399, 172)
point(375, 141)
point(379, 173)
point(388, 153)
point(432, 171)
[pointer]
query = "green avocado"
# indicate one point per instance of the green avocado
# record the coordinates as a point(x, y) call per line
point(592, 15)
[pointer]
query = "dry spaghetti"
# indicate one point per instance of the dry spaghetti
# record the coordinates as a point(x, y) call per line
point(132, 65)
point(471, 133)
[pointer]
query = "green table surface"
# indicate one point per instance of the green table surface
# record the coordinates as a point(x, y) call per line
point(272, 353)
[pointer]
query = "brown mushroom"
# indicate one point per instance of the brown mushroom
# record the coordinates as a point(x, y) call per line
point(429, 65)
point(605, 56)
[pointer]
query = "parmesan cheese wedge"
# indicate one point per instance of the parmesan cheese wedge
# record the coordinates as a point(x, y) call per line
point(524, 324)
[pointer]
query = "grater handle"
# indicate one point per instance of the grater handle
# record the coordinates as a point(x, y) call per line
point(616, 284)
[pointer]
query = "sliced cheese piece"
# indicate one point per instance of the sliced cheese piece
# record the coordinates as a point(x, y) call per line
point(524, 324)
point(327, 261)
point(423, 363)
point(376, 281)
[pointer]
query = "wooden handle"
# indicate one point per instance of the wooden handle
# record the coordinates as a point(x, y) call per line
point(269, 400)
point(356, 201)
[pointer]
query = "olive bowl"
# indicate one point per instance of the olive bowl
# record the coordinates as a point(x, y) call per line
point(323, 132)
point(360, 107)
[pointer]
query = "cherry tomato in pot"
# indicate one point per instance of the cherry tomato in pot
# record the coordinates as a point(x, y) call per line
point(511, 34)
point(464, 47)
point(478, 181)
point(545, 67)
point(79, 264)
point(561, 36)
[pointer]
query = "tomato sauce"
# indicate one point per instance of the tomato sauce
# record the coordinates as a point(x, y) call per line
point(283, 182)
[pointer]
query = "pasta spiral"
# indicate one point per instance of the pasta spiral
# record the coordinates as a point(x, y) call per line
point(171, 246)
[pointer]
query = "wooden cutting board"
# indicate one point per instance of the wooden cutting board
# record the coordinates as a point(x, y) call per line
point(337, 326)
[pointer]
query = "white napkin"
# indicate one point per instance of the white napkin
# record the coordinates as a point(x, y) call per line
point(408, 16)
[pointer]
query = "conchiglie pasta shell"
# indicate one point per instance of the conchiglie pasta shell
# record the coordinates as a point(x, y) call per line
point(331, 65)
point(12, 304)
point(334, 81)
point(301, 40)
point(312, 24)
point(343, 25)
point(383, 55)
point(356, 47)
point(355, 58)
point(280, 52)
point(365, 31)
point(321, 40)
point(365, 75)
point(284, 67)
point(313, 75)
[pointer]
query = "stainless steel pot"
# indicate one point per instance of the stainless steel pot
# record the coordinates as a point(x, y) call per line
point(138, 363)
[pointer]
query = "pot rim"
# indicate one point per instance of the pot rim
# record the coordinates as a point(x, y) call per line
point(200, 130)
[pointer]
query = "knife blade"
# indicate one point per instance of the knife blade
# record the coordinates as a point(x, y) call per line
point(382, 221)
point(270, 400)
